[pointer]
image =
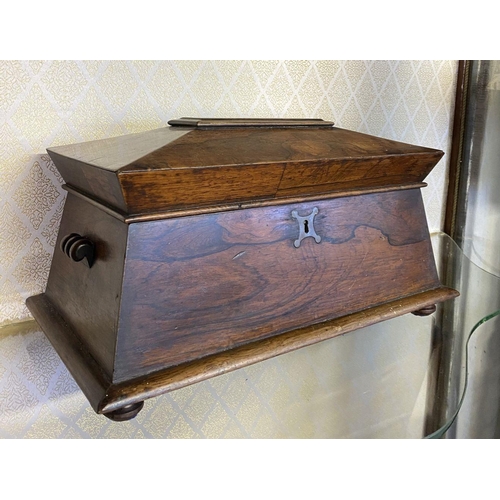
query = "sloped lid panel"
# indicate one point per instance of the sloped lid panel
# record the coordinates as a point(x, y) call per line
point(118, 152)
point(251, 146)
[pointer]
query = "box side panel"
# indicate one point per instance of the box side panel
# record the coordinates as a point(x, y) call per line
point(98, 183)
point(88, 298)
point(198, 285)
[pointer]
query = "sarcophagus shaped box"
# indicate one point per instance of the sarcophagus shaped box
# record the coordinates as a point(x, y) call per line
point(192, 250)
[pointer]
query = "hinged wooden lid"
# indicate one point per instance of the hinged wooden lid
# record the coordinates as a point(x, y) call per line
point(206, 162)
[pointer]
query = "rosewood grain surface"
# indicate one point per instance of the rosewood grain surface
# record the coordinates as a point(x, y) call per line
point(253, 146)
point(169, 379)
point(196, 285)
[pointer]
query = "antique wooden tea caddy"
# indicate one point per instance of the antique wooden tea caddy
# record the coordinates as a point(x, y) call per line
point(195, 249)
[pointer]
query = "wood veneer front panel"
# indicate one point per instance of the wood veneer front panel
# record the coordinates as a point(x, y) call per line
point(202, 284)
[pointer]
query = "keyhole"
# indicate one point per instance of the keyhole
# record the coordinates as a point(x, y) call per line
point(306, 226)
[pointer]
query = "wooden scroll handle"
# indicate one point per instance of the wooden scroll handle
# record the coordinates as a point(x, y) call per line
point(78, 248)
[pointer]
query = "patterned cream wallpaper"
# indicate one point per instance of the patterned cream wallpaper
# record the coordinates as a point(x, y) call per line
point(47, 103)
point(368, 384)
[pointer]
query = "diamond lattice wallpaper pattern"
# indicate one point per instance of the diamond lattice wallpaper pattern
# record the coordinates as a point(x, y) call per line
point(321, 391)
point(47, 103)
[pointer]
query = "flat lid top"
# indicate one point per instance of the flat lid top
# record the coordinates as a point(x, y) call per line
point(250, 122)
point(194, 142)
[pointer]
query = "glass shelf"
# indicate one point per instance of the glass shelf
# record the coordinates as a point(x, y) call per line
point(480, 297)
